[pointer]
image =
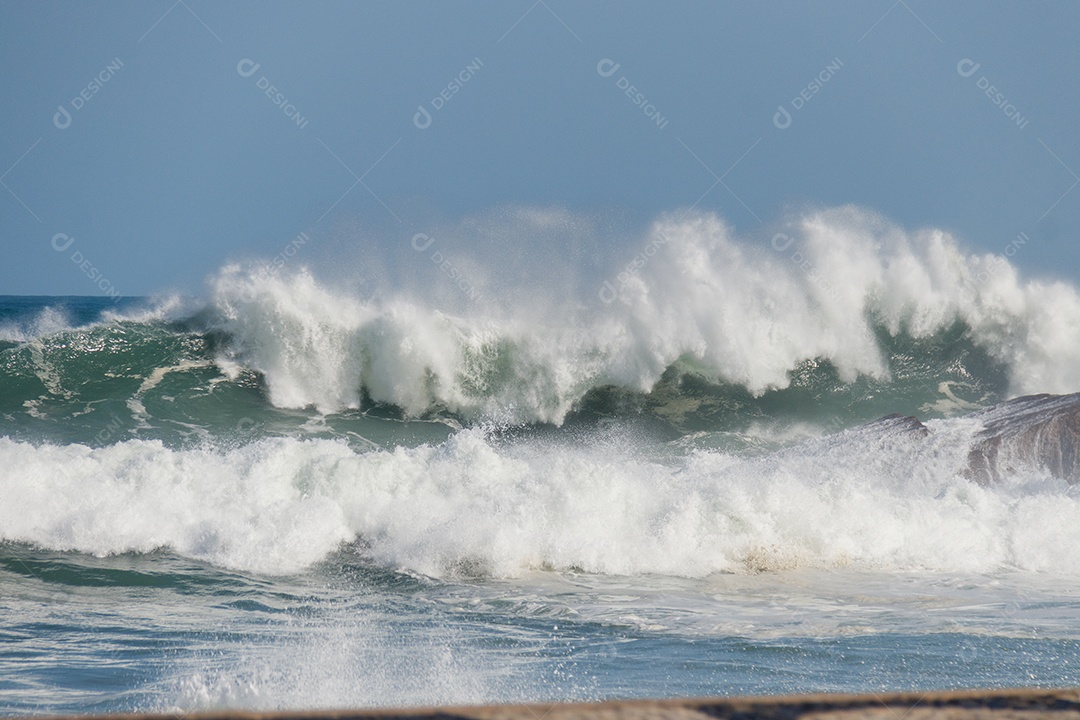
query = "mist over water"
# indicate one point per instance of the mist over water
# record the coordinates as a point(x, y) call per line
point(837, 287)
point(518, 464)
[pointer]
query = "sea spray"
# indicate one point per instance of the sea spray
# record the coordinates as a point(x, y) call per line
point(474, 506)
point(907, 318)
point(736, 311)
point(536, 494)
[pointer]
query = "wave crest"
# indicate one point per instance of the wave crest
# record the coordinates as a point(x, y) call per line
point(471, 506)
point(742, 311)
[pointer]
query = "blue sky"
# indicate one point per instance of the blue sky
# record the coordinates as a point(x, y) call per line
point(142, 132)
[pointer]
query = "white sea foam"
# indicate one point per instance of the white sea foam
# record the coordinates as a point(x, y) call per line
point(859, 499)
point(166, 307)
point(46, 321)
point(55, 319)
point(741, 310)
point(738, 309)
point(357, 661)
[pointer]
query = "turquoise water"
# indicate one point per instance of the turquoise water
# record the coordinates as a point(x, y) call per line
point(227, 503)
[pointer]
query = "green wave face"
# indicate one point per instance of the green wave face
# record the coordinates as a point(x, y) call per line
point(941, 376)
point(160, 379)
point(108, 381)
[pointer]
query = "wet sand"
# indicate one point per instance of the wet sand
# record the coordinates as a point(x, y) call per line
point(966, 705)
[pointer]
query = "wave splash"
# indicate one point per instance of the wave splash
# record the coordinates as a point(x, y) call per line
point(474, 507)
point(852, 304)
point(833, 288)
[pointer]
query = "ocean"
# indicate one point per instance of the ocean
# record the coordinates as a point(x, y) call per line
point(290, 494)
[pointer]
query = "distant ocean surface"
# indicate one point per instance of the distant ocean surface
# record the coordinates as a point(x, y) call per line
point(286, 494)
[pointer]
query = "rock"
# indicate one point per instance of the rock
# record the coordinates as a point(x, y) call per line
point(1032, 432)
point(902, 424)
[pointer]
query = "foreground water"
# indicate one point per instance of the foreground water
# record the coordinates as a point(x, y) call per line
point(290, 496)
point(158, 632)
